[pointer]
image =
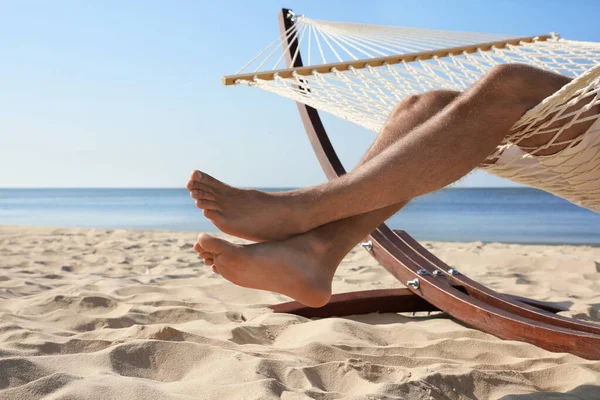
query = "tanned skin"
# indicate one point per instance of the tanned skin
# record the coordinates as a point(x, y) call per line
point(428, 142)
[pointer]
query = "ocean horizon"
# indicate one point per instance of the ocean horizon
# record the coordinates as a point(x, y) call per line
point(507, 215)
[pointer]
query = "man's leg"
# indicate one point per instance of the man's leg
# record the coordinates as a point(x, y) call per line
point(437, 153)
point(303, 267)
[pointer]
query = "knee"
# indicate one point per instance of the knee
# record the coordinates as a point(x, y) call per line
point(506, 75)
point(436, 99)
point(520, 84)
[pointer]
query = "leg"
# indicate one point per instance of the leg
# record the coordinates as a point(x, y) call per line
point(218, 199)
point(437, 153)
point(303, 267)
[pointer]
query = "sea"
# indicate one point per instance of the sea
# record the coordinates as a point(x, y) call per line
point(508, 215)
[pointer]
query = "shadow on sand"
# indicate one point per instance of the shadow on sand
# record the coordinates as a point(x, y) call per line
point(583, 392)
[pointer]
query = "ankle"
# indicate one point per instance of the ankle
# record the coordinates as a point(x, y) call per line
point(326, 248)
point(300, 209)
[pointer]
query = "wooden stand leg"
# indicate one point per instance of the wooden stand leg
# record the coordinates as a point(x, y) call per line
point(437, 286)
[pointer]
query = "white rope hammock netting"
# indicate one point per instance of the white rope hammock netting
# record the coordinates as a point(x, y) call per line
point(365, 93)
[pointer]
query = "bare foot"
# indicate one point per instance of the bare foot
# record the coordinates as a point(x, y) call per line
point(247, 213)
point(297, 267)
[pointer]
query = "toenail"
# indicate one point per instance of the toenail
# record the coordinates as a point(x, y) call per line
point(198, 175)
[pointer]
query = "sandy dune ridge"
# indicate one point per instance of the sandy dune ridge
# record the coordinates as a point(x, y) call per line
point(118, 314)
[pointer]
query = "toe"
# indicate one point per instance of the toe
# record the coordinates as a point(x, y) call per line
point(190, 185)
point(199, 185)
point(197, 248)
point(202, 195)
point(213, 215)
point(206, 255)
point(207, 204)
point(204, 178)
point(213, 245)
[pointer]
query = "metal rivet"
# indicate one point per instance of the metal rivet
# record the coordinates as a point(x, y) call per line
point(453, 271)
point(422, 272)
point(367, 245)
point(414, 283)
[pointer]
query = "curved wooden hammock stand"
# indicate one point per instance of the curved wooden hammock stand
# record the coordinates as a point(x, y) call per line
point(433, 285)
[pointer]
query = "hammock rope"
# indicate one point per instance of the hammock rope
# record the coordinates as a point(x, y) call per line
point(360, 72)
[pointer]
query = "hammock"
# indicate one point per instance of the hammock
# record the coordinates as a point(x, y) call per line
point(359, 72)
point(417, 64)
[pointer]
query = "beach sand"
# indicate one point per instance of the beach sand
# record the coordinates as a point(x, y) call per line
point(118, 314)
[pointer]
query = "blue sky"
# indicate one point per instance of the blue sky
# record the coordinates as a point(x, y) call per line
point(128, 94)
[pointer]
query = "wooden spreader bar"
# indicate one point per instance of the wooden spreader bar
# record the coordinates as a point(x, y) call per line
point(378, 61)
point(435, 286)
